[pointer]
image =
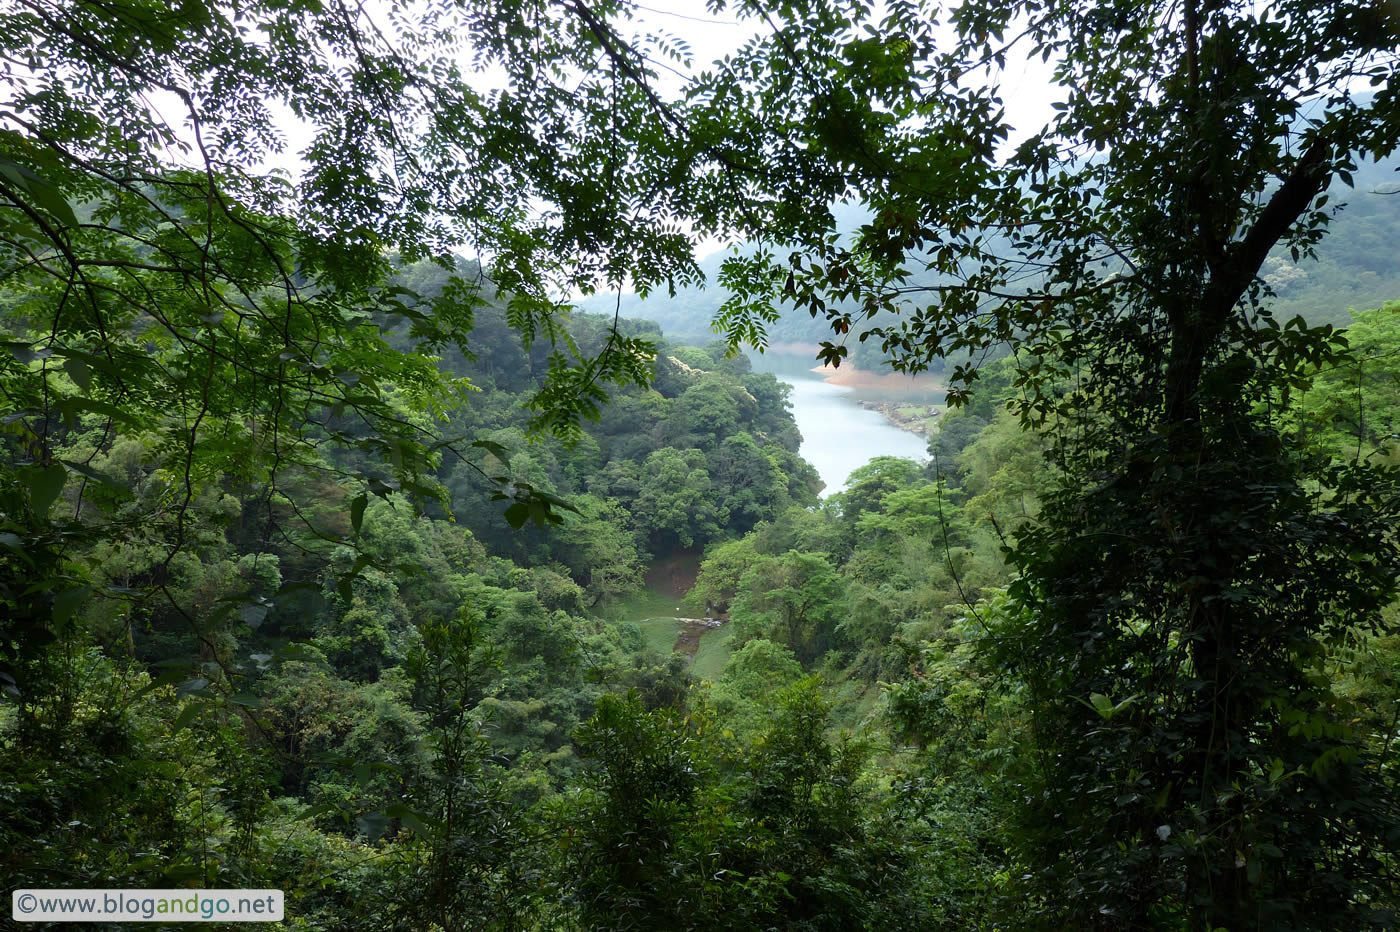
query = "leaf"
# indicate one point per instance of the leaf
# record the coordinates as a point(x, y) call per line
point(81, 403)
point(516, 515)
point(296, 652)
point(254, 613)
point(45, 485)
point(23, 352)
point(419, 822)
point(67, 602)
point(321, 809)
point(78, 371)
point(87, 472)
point(357, 512)
point(45, 195)
point(165, 679)
point(372, 824)
point(383, 489)
point(195, 685)
point(186, 716)
point(495, 449)
point(303, 599)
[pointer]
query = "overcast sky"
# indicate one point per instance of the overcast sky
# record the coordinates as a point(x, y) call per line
point(1026, 85)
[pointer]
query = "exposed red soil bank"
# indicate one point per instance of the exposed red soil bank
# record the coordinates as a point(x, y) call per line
point(851, 377)
point(673, 574)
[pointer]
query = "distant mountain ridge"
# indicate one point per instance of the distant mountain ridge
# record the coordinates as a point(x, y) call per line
point(1357, 267)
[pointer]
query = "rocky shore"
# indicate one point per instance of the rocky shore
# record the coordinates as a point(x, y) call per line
point(915, 416)
point(917, 419)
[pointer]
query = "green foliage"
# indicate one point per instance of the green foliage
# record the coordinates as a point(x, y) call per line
point(781, 835)
point(627, 848)
point(162, 284)
point(795, 599)
point(675, 508)
point(1348, 411)
point(466, 867)
point(1189, 566)
point(753, 673)
point(598, 549)
point(1005, 471)
point(297, 591)
point(721, 573)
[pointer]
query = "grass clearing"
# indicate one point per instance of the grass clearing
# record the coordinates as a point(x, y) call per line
point(660, 634)
point(712, 654)
point(646, 603)
point(655, 612)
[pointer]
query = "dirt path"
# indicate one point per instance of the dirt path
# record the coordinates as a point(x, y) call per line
point(688, 642)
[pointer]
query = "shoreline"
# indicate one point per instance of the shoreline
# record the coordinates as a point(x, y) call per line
point(910, 414)
point(919, 423)
point(850, 377)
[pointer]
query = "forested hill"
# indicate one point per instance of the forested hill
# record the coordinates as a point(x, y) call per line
point(419, 718)
point(437, 605)
point(707, 449)
point(315, 682)
point(1354, 268)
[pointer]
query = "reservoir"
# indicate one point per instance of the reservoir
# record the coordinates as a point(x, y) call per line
point(838, 435)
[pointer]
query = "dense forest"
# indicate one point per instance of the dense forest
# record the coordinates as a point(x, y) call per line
point(361, 539)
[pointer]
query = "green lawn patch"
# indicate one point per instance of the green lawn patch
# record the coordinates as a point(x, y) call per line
point(646, 603)
point(660, 634)
point(712, 655)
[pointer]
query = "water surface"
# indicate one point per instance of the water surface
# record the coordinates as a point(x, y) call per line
point(838, 435)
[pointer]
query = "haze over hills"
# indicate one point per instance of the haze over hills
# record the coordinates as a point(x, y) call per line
point(1355, 269)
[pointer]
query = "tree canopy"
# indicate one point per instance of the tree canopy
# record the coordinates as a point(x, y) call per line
point(1179, 581)
point(175, 266)
point(1193, 559)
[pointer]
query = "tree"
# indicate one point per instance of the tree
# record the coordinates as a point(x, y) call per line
point(459, 811)
point(1349, 410)
point(744, 691)
point(1181, 585)
point(163, 281)
point(1178, 591)
point(796, 596)
point(599, 550)
point(674, 507)
point(720, 574)
point(713, 408)
point(749, 483)
point(626, 845)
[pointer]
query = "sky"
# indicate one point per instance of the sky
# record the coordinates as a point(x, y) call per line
point(1027, 87)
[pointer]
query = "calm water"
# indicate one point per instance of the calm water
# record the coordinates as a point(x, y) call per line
point(838, 435)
